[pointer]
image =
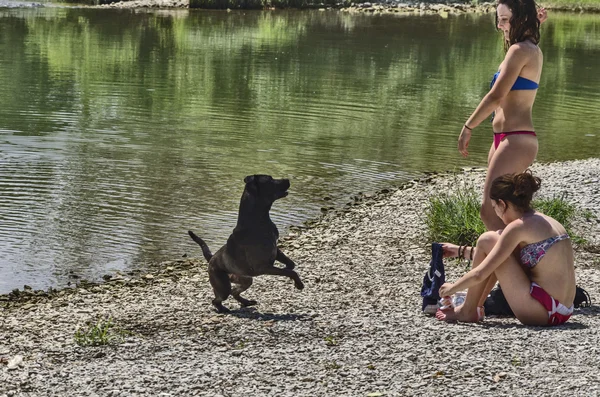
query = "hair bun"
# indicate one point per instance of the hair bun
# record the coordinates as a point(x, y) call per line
point(526, 184)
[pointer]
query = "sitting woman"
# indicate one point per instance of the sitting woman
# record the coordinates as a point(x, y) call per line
point(531, 257)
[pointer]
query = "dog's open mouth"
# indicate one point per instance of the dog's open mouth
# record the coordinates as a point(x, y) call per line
point(281, 188)
point(281, 194)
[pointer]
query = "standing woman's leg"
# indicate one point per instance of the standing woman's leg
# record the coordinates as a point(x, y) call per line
point(514, 154)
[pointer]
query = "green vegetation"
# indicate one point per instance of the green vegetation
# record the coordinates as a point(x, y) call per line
point(240, 344)
point(564, 212)
point(454, 216)
point(332, 365)
point(103, 332)
point(589, 5)
point(330, 340)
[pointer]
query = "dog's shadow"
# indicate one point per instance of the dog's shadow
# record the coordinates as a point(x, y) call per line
point(252, 313)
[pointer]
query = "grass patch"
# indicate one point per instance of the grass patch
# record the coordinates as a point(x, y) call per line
point(332, 365)
point(454, 216)
point(563, 211)
point(103, 332)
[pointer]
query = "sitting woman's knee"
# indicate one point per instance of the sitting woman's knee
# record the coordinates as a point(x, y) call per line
point(488, 240)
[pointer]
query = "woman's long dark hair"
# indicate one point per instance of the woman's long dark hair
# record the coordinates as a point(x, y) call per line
point(524, 23)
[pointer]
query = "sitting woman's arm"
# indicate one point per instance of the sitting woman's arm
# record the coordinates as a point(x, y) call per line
point(451, 251)
point(509, 239)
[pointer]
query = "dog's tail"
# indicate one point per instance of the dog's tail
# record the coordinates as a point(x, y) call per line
point(205, 250)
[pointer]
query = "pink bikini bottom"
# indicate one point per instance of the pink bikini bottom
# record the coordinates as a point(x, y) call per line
point(499, 136)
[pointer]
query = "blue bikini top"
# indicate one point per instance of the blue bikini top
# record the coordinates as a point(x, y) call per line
point(521, 84)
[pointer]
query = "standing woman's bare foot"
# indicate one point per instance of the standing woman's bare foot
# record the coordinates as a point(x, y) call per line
point(458, 314)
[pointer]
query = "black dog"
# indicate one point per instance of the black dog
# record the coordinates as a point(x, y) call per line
point(251, 249)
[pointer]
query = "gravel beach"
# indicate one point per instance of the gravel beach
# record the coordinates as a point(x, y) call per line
point(355, 330)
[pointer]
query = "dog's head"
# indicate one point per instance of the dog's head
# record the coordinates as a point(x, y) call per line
point(265, 188)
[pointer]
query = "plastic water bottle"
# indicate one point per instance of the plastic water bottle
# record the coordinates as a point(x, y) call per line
point(459, 298)
point(446, 303)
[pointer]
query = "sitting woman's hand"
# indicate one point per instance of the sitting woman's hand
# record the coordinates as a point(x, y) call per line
point(450, 250)
point(445, 289)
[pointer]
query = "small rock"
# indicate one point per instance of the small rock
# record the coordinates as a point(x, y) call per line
point(15, 362)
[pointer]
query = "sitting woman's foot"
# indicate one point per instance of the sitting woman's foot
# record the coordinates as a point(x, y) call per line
point(459, 314)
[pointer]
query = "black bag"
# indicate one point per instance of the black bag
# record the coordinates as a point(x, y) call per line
point(434, 277)
point(582, 298)
point(496, 303)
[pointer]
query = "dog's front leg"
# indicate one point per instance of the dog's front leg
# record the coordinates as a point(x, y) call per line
point(276, 271)
point(289, 264)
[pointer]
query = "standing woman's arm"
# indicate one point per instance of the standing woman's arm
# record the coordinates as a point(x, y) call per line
point(516, 58)
point(514, 61)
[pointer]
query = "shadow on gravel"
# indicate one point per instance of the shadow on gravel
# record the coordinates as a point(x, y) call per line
point(592, 310)
point(569, 326)
point(213, 321)
point(252, 313)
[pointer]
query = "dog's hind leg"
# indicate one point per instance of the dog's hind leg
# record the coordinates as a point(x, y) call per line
point(221, 286)
point(287, 273)
point(242, 284)
point(281, 257)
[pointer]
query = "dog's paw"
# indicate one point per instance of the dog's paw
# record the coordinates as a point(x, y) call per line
point(220, 308)
point(299, 284)
point(247, 303)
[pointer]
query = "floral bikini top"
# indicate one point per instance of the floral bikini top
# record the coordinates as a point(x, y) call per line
point(531, 254)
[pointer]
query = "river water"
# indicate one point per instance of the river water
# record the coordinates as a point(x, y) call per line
point(122, 129)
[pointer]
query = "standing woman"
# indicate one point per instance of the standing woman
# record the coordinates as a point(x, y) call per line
point(510, 99)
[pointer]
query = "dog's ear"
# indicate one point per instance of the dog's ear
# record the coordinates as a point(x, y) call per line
point(251, 183)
